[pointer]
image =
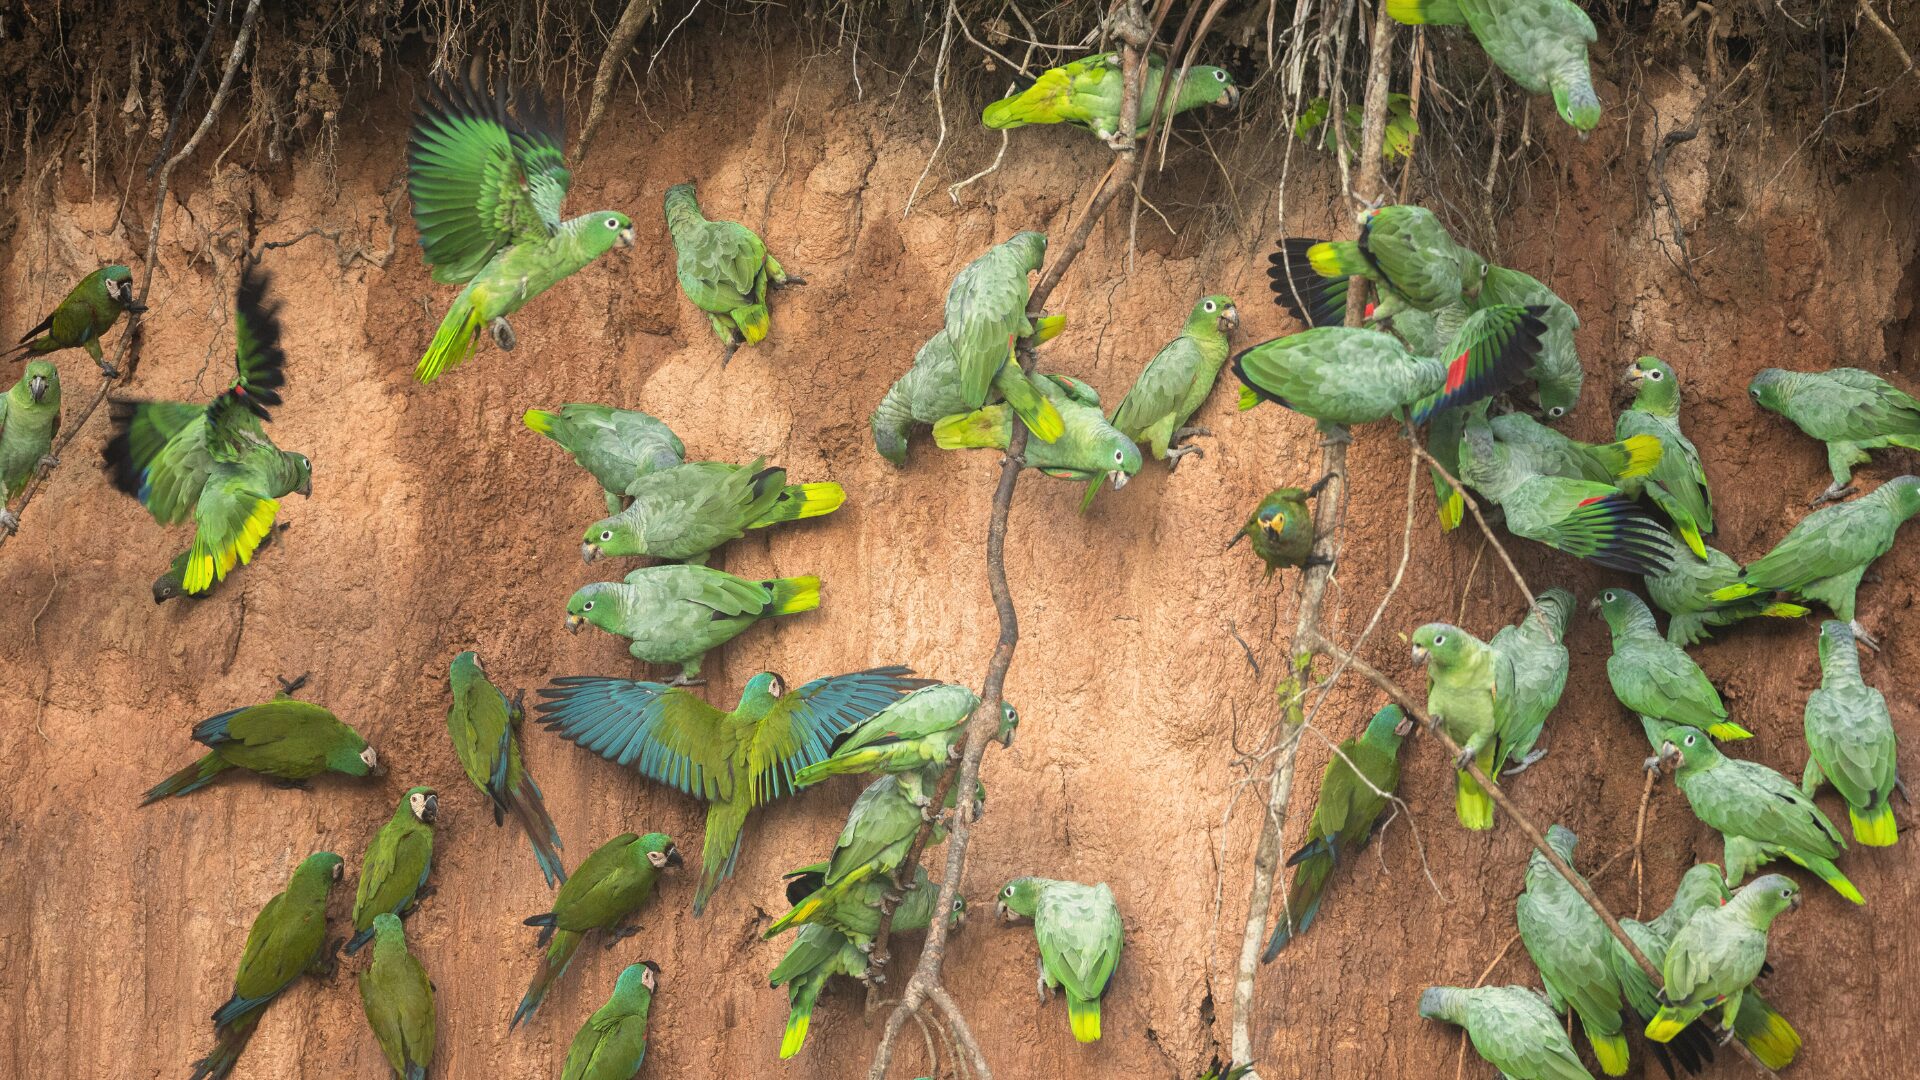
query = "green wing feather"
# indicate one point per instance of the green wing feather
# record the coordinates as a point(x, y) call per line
point(666, 733)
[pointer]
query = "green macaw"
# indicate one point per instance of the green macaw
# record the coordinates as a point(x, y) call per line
point(89, 311)
point(1088, 447)
point(725, 269)
point(487, 184)
point(485, 729)
point(1760, 815)
point(986, 315)
point(1656, 678)
point(1078, 928)
point(287, 940)
point(618, 446)
point(398, 998)
point(397, 864)
point(1557, 374)
point(1088, 93)
point(684, 512)
point(1404, 250)
point(1354, 791)
point(1684, 590)
point(612, 1044)
point(920, 733)
point(214, 463)
point(1536, 653)
point(930, 391)
point(1540, 44)
point(1678, 483)
point(1851, 410)
point(1574, 951)
point(601, 896)
point(675, 614)
point(1464, 675)
point(1512, 1028)
point(1550, 453)
point(1280, 529)
point(29, 419)
point(1850, 741)
point(1175, 383)
point(286, 740)
point(1824, 557)
point(1715, 957)
point(733, 761)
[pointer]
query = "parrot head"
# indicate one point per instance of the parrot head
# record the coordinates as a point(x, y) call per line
point(1009, 721)
point(118, 281)
point(1554, 609)
point(598, 604)
point(761, 692)
point(1388, 727)
point(1619, 607)
point(1030, 246)
point(1904, 491)
point(387, 928)
point(958, 914)
point(1439, 643)
point(424, 804)
point(302, 474)
point(1652, 380)
point(322, 867)
point(1557, 400)
point(354, 757)
point(1019, 898)
point(1217, 84)
point(659, 851)
point(1686, 746)
point(166, 587)
point(606, 230)
point(638, 982)
point(1768, 389)
point(41, 377)
point(1122, 454)
point(466, 666)
point(609, 536)
point(1770, 895)
point(1562, 840)
point(1217, 310)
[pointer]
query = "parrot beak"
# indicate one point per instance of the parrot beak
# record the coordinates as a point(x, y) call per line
point(574, 623)
point(1669, 753)
point(1118, 479)
point(431, 812)
point(673, 857)
point(134, 306)
point(1419, 654)
point(626, 237)
point(306, 487)
point(1593, 605)
point(1404, 728)
point(1634, 374)
point(1000, 909)
point(1233, 98)
point(1230, 319)
point(589, 552)
point(37, 386)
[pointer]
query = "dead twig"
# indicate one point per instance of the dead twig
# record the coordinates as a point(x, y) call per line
point(625, 32)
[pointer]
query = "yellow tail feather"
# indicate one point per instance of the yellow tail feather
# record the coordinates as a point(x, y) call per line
point(205, 566)
point(1453, 510)
point(796, 1035)
point(1643, 453)
point(1739, 590)
point(452, 342)
point(1783, 611)
point(1728, 731)
point(793, 595)
point(1084, 1018)
point(1776, 1044)
point(819, 499)
point(753, 322)
point(539, 421)
point(1876, 829)
point(1691, 534)
point(1611, 1051)
point(1048, 327)
point(1668, 1023)
point(1471, 803)
point(1325, 258)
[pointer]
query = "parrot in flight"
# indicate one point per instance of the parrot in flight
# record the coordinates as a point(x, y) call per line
point(1354, 791)
point(612, 1044)
point(1540, 44)
point(485, 729)
point(487, 183)
point(29, 419)
point(89, 311)
point(1463, 675)
point(1512, 1028)
point(173, 583)
point(733, 761)
point(725, 269)
point(286, 740)
point(1280, 529)
point(919, 734)
point(396, 866)
point(214, 463)
point(684, 512)
point(1078, 928)
point(1536, 653)
point(675, 614)
point(930, 391)
point(1850, 410)
point(1089, 446)
point(1684, 590)
point(618, 446)
point(1656, 678)
point(986, 314)
point(1088, 93)
point(1574, 951)
point(1715, 957)
point(398, 998)
point(1174, 384)
point(601, 896)
point(1850, 742)
point(1678, 483)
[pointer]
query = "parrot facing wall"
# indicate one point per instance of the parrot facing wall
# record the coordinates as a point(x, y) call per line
point(725, 269)
point(1080, 935)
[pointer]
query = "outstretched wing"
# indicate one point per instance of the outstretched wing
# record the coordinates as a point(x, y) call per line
point(158, 455)
point(666, 733)
point(260, 368)
point(799, 730)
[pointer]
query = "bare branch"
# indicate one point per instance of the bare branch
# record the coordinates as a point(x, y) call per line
point(625, 32)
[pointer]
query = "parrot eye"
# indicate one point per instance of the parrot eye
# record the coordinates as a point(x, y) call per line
point(1007, 892)
point(1220, 76)
point(613, 223)
point(1655, 375)
point(1119, 456)
point(1755, 392)
point(1439, 639)
point(606, 534)
point(1607, 598)
point(1690, 739)
point(588, 606)
point(657, 858)
point(1786, 894)
point(1210, 306)
point(1556, 412)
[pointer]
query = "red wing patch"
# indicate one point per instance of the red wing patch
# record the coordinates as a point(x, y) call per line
point(1590, 502)
point(1457, 372)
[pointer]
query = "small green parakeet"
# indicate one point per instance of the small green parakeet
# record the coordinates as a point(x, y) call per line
point(89, 311)
point(1354, 791)
point(1715, 957)
point(1089, 446)
point(29, 419)
point(1850, 741)
point(1656, 678)
point(1678, 482)
point(986, 315)
point(930, 391)
point(1540, 44)
point(618, 446)
point(1088, 93)
point(1280, 529)
point(1551, 453)
point(1536, 653)
point(1684, 590)
point(732, 761)
point(1463, 675)
point(1175, 383)
point(879, 831)
point(398, 999)
point(397, 864)
point(286, 740)
point(684, 512)
point(612, 1044)
point(1851, 410)
point(676, 614)
point(487, 183)
point(287, 940)
point(1512, 1028)
point(1080, 935)
point(485, 729)
point(601, 896)
point(725, 269)
point(1574, 951)
point(922, 732)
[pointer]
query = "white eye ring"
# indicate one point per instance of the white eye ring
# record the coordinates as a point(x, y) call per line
point(1008, 891)
point(613, 223)
point(1220, 76)
point(1210, 306)
point(1655, 375)
point(588, 606)
point(1439, 638)
point(1556, 412)
point(1690, 739)
point(1119, 456)
point(606, 534)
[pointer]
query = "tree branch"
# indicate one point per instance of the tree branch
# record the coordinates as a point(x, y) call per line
point(625, 32)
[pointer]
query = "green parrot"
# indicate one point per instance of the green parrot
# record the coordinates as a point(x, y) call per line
point(618, 446)
point(397, 864)
point(675, 614)
point(1656, 678)
point(1550, 453)
point(214, 463)
point(485, 729)
point(1536, 653)
point(725, 269)
point(1684, 590)
point(1715, 957)
point(930, 391)
point(1403, 250)
point(601, 896)
point(1350, 804)
point(1230, 1071)
point(286, 740)
point(1851, 410)
point(1512, 1028)
point(733, 761)
point(986, 315)
point(1823, 558)
point(612, 1044)
point(1444, 432)
point(1850, 741)
point(89, 311)
point(1557, 374)
point(29, 419)
point(1088, 447)
point(173, 583)
point(1463, 677)
point(920, 733)
point(1174, 384)
point(1678, 483)
point(1088, 94)
point(1574, 951)
point(398, 998)
point(684, 512)
point(1078, 928)
point(1760, 815)
point(1540, 44)
point(487, 185)
point(288, 939)
point(1280, 529)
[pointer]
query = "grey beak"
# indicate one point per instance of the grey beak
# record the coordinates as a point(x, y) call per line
point(1419, 655)
point(37, 386)
point(1118, 479)
point(432, 811)
point(574, 623)
point(626, 237)
point(589, 552)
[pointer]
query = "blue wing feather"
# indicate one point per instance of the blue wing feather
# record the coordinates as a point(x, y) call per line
point(623, 721)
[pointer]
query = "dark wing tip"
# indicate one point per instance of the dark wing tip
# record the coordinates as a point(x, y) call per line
point(117, 457)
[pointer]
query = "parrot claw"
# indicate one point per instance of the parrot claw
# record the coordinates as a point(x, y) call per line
point(683, 679)
point(1652, 764)
point(1900, 786)
point(288, 686)
point(1463, 759)
point(1861, 635)
point(107, 370)
point(790, 279)
point(1190, 431)
point(9, 521)
point(502, 334)
point(1726, 1036)
point(1525, 763)
point(1834, 493)
point(726, 354)
point(424, 892)
point(1175, 453)
point(48, 462)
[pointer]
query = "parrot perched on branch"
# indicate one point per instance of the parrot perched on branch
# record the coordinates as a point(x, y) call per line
point(1540, 44)
point(1678, 483)
point(1089, 92)
point(1850, 410)
point(86, 313)
point(725, 269)
point(612, 1044)
point(1850, 742)
point(986, 313)
point(1280, 529)
point(485, 729)
point(398, 999)
point(396, 866)
point(931, 391)
point(1089, 446)
point(601, 896)
point(1512, 1028)
point(29, 419)
point(1174, 384)
point(1463, 677)
point(683, 512)
point(1684, 590)
point(675, 614)
point(618, 446)
point(1574, 951)
point(286, 740)
point(1656, 678)
point(1080, 935)
point(916, 735)
point(1715, 957)
point(1536, 652)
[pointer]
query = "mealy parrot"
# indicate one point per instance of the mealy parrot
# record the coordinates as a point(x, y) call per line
point(1089, 446)
point(89, 311)
point(1550, 453)
point(287, 940)
point(1540, 44)
point(1536, 653)
point(1574, 951)
point(725, 269)
point(1684, 590)
point(1463, 674)
point(920, 733)
point(1175, 383)
point(1088, 93)
point(1557, 374)
point(397, 864)
point(733, 761)
point(1850, 741)
point(1280, 529)
point(931, 391)
point(1715, 957)
point(986, 315)
point(675, 614)
point(1851, 410)
point(1761, 815)
point(618, 446)
point(1404, 250)
point(487, 184)
point(1678, 483)
point(286, 740)
point(214, 463)
point(684, 512)
point(1354, 792)
point(398, 998)
point(29, 419)
point(485, 729)
point(612, 1044)
point(1656, 678)
point(601, 897)
point(1078, 928)
point(1511, 1027)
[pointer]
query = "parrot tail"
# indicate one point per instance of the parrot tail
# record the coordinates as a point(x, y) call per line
point(801, 501)
point(988, 427)
point(1034, 105)
point(1301, 289)
point(1765, 1032)
point(1739, 590)
point(1613, 532)
point(1048, 327)
point(1452, 506)
point(859, 761)
point(1471, 803)
point(192, 778)
point(540, 421)
point(1728, 731)
point(226, 1050)
point(1683, 520)
point(358, 941)
point(1041, 416)
point(822, 897)
point(452, 342)
point(792, 595)
point(1629, 458)
point(1337, 259)
point(205, 565)
point(1002, 114)
point(1084, 1016)
point(1312, 864)
point(1610, 1050)
point(1575, 101)
point(1875, 828)
point(553, 964)
point(530, 809)
point(1829, 873)
point(1783, 610)
point(799, 1015)
point(1496, 348)
point(1426, 12)
point(1671, 1021)
point(753, 322)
